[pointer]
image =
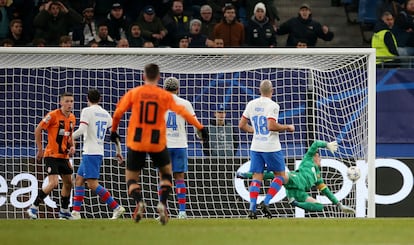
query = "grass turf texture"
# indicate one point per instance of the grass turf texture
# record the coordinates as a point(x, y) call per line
point(312, 231)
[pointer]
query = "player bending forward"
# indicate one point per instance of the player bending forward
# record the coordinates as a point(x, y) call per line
point(308, 174)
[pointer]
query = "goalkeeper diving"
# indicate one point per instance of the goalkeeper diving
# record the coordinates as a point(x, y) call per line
point(300, 181)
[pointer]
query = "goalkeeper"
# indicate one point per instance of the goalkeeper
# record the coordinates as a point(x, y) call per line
point(308, 174)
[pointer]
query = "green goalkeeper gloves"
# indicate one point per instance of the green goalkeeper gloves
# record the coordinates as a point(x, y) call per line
point(345, 209)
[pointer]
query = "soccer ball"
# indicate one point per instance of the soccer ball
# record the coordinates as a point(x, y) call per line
point(353, 173)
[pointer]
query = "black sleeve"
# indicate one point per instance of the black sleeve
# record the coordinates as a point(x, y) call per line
point(389, 42)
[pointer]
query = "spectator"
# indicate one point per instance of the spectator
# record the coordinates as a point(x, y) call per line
point(183, 41)
point(39, 42)
point(207, 21)
point(259, 30)
point(93, 44)
point(16, 33)
point(134, 36)
point(117, 22)
point(102, 8)
point(151, 26)
point(102, 38)
point(218, 7)
point(87, 30)
point(24, 10)
point(65, 41)
point(5, 18)
point(55, 20)
point(384, 42)
point(123, 43)
point(218, 42)
point(176, 23)
point(304, 28)
point(231, 30)
point(148, 44)
point(6, 43)
point(197, 39)
point(196, 8)
point(404, 30)
point(301, 44)
point(271, 10)
point(223, 140)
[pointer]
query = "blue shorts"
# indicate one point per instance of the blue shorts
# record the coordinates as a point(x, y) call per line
point(179, 159)
point(90, 166)
point(274, 161)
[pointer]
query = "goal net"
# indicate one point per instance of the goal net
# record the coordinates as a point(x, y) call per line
point(328, 94)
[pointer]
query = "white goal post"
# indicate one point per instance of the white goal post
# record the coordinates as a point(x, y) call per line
point(327, 93)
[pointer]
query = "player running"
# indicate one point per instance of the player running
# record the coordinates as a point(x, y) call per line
point(147, 135)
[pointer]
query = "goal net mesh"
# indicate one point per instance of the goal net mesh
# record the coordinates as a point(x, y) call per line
point(323, 95)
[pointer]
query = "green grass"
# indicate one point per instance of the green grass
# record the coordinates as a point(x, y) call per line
point(387, 231)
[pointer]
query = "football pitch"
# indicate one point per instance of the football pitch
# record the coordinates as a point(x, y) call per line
point(306, 231)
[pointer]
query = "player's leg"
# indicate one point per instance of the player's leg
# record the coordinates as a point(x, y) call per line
point(256, 167)
point(79, 195)
point(65, 171)
point(92, 172)
point(276, 163)
point(135, 163)
point(162, 161)
point(304, 201)
point(53, 181)
point(179, 162)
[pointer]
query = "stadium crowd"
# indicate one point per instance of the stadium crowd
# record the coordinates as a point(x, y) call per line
point(167, 23)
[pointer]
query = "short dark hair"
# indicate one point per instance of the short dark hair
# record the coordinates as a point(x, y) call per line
point(94, 96)
point(65, 94)
point(152, 71)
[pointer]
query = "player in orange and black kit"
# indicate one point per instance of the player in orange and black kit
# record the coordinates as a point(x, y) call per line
point(59, 125)
point(147, 134)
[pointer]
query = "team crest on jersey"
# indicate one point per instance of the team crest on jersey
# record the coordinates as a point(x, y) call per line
point(47, 118)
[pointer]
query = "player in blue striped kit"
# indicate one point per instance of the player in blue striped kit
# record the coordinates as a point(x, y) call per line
point(177, 143)
point(265, 149)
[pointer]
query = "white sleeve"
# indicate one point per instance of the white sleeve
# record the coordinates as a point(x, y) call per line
point(80, 131)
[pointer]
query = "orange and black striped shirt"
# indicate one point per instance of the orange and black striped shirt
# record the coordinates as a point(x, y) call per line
point(59, 133)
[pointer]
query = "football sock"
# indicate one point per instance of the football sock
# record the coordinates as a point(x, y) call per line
point(78, 198)
point(254, 193)
point(181, 190)
point(106, 197)
point(165, 192)
point(39, 199)
point(65, 202)
point(273, 189)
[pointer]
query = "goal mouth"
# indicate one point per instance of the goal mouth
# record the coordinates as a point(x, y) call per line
point(325, 93)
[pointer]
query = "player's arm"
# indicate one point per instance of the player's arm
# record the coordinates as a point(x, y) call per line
point(244, 125)
point(273, 125)
point(202, 131)
point(327, 192)
point(123, 105)
point(80, 131)
point(38, 140)
point(119, 156)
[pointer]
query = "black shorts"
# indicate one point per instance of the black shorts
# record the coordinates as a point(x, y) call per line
point(136, 159)
point(58, 166)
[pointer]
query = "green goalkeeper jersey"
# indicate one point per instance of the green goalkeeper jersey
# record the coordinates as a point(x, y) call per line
point(308, 174)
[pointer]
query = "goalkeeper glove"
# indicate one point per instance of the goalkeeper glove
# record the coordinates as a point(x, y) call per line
point(115, 137)
point(203, 134)
point(332, 146)
point(345, 209)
